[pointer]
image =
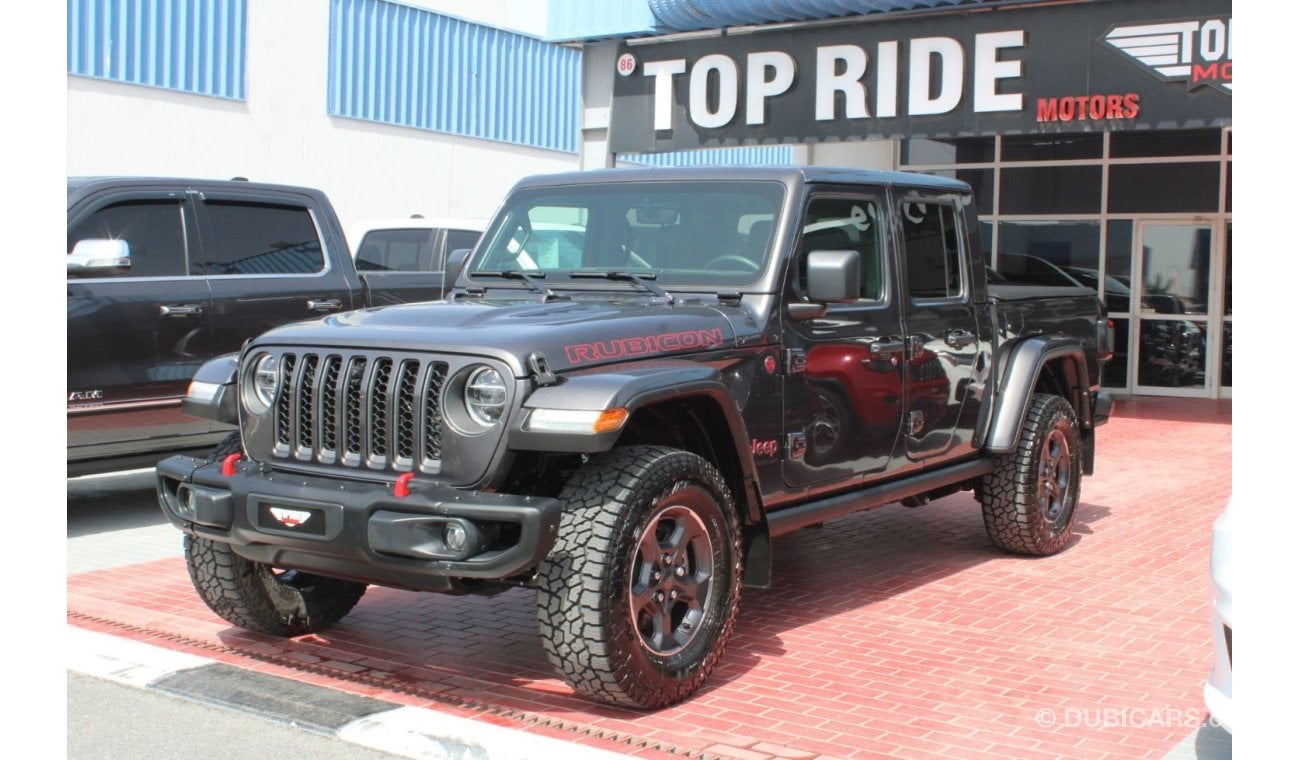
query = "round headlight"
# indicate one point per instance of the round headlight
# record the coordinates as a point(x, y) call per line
point(485, 396)
point(263, 382)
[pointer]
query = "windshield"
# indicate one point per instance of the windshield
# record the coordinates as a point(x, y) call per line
point(692, 233)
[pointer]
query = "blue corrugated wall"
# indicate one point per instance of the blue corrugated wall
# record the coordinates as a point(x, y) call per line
point(763, 155)
point(194, 46)
point(400, 65)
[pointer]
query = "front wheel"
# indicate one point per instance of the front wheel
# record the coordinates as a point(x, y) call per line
point(1029, 499)
point(637, 599)
point(259, 597)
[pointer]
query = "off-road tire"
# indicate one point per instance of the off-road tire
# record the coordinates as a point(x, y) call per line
point(600, 626)
point(1029, 499)
point(258, 597)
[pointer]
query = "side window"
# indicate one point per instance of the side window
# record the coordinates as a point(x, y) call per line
point(933, 250)
point(837, 224)
point(153, 230)
point(259, 238)
point(458, 239)
point(396, 251)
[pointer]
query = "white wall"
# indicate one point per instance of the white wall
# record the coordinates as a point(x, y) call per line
point(858, 154)
point(283, 133)
point(526, 16)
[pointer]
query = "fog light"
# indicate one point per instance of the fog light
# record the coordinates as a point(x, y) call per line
point(185, 500)
point(454, 536)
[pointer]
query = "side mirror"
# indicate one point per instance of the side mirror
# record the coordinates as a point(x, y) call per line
point(455, 263)
point(834, 276)
point(91, 257)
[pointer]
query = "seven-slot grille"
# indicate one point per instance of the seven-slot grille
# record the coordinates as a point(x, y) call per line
point(374, 412)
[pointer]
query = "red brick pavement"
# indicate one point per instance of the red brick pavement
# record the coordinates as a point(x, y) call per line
point(899, 632)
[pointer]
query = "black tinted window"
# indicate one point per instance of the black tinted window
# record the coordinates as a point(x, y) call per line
point(932, 249)
point(254, 238)
point(154, 231)
point(839, 224)
point(458, 239)
point(396, 251)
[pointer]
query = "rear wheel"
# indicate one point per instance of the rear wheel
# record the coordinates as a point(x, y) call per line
point(637, 599)
point(1029, 499)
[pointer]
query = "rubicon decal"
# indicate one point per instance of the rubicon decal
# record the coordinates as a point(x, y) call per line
point(1196, 51)
point(618, 348)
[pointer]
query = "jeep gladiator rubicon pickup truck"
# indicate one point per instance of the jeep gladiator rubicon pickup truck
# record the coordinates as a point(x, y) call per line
point(165, 274)
point(624, 419)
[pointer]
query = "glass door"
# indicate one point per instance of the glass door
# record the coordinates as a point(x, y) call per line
point(1175, 310)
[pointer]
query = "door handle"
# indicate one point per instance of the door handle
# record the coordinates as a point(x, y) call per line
point(959, 339)
point(888, 348)
point(180, 310)
point(325, 304)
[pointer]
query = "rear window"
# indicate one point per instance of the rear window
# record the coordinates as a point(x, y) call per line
point(394, 250)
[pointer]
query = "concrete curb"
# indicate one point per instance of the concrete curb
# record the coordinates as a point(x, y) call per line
point(400, 730)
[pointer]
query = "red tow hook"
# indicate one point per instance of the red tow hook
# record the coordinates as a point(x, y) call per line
point(401, 488)
point(228, 464)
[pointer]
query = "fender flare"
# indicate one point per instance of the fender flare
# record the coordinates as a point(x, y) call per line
point(1024, 365)
point(638, 388)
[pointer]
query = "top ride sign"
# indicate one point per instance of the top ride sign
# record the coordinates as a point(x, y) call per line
point(1059, 68)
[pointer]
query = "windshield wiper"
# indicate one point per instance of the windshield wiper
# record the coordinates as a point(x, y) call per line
point(639, 278)
point(530, 279)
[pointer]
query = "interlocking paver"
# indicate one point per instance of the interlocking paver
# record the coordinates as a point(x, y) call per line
point(897, 632)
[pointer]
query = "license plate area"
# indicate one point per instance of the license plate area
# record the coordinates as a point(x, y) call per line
point(294, 517)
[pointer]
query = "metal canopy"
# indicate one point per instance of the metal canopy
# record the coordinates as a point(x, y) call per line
point(692, 15)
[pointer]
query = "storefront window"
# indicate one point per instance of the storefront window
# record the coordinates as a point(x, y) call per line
point(1051, 147)
point(1225, 357)
point(980, 180)
point(1174, 142)
point(1114, 373)
point(1171, 353)
point(1049, 253)
point(1164, 188)
point(1176, 269)
point(1227, 273)
point(959, 150)
point(1051, 190)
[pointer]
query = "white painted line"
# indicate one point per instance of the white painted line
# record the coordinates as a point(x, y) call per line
point(124, 661)
point(422, 734)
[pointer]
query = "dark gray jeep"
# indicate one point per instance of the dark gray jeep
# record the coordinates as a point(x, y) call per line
point(640, 378)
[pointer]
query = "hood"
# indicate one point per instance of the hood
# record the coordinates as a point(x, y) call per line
point(570, 334)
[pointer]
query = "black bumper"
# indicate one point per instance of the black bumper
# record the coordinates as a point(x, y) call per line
point(359, 530)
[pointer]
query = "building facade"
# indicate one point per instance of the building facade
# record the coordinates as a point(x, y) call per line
point(1097, 134)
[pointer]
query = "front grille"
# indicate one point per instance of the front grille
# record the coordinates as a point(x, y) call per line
point(370, 412)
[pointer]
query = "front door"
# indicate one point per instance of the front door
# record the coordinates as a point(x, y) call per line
point(1175, 309)
point(844, 393)
point(135, 336)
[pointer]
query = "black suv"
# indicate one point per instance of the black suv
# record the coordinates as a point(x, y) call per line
point(624, 415)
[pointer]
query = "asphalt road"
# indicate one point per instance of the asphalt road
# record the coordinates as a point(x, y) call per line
point(109, 720)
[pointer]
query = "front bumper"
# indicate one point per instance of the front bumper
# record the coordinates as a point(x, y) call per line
point(359, 530)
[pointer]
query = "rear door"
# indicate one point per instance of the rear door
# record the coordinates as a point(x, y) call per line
point(943, 343)
point(844, 390)
point(264, 262)
point(401, 264)
point(135, 338)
